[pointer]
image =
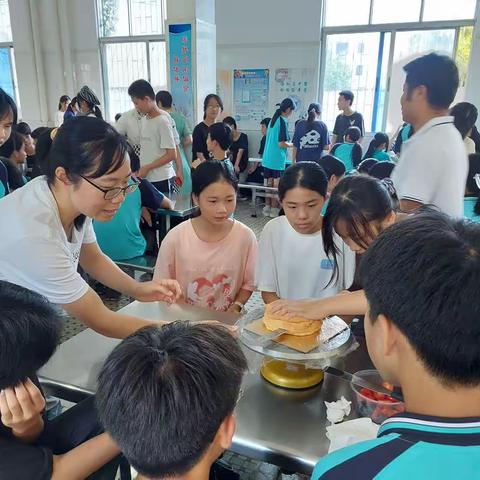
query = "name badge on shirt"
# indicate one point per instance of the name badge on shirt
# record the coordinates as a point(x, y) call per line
point(326, 264)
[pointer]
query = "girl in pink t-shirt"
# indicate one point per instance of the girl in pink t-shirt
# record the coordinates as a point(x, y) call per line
point(212, 256)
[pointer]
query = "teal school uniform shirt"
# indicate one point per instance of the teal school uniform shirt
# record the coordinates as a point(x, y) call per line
point(344, 152)
point(381, 156)
point(183, 130)
point(121, 237)
point(410, 447)
point(275, 157)
point(469, 207)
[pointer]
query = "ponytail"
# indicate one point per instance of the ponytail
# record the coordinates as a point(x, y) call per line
point(377, 140)
point(97, 112)
point(287, 103)
point(275, 117)
point(313, 111)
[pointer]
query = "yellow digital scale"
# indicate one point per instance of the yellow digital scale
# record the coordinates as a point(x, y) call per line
point(295, 362)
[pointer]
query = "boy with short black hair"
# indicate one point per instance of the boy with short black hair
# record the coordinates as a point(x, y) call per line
point(433, 164)
point(349, 152)
point(348, 117)
point(421, 280)
point(158, 142)
point(30, 446)
point(167, 396)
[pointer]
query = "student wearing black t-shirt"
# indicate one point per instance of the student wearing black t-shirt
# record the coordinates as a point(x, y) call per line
point(212, 107)
point(348, 117)
point(239, 148)
point(31, 447)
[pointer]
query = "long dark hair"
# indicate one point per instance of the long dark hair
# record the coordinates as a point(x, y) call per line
point(357, 200)
point(308, 175)
point(287, 103)
point(464, 117)
point(472, 187)
point(379, 139)
point(85, 146)
point(313, 110)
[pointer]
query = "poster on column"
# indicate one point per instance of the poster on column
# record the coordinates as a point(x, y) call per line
point(250, 97)
point(299, 85)
point(180, 66)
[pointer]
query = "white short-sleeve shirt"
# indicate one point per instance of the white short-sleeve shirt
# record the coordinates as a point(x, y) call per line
point(433, 167)
point(130, 125)
point(295, 266)
point(157, 136)
point(34, 250)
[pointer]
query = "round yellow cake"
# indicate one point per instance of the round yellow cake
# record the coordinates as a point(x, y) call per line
point(298, 326)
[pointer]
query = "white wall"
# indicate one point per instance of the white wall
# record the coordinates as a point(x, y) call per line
point(53, 58)
point(267, 34)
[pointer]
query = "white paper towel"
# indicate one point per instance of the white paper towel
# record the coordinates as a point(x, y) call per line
point(350, 432)
point(336, 411)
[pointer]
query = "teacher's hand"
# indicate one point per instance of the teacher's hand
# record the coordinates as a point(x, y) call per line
point(311, 309)
point(163, 290)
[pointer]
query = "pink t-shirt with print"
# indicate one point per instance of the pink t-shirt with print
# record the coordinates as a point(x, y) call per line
point(209, 273)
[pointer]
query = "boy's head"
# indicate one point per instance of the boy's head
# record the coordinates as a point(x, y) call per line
point(164, 99)
point(167, 394)
point(23, 128)
point(352, 135)
point(431, 84)
point(345, 99)
point(8, 116)
point(142, 95)
point(29, 333)
point(421, 279)
point(264, 125)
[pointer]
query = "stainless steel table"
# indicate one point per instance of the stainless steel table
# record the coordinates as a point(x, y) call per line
point(183, 207)
point(286, 428)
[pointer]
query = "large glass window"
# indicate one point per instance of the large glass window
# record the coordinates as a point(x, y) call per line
point(409, 45)
point(5, 27)
point(363, 12)
point(133, 47)
point(8, 78)
point(126, 18)
point(369, 60)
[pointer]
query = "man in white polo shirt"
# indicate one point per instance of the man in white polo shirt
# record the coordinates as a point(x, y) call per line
point(433, 165)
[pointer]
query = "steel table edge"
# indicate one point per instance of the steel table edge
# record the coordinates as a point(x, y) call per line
point(267, 453)
point(65, 391)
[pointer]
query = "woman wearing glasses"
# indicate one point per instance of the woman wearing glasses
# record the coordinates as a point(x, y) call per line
point(212, 108)
point(47, 226)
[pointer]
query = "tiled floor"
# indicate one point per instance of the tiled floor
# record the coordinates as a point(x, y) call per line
point(247, 468)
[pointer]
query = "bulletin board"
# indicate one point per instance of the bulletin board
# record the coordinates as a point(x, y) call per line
point(250, 97)
point(299, 85)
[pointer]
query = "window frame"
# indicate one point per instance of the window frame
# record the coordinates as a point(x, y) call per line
point(104, 41)
point(391, 28)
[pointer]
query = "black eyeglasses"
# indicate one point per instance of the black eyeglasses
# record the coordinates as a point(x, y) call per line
point(111, 193)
